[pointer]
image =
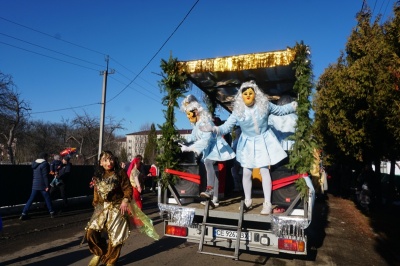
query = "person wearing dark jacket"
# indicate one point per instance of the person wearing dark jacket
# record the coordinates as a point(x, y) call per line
point(63, 175)
point(40, 184)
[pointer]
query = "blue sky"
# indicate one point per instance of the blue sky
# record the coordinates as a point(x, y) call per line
point(55, 50)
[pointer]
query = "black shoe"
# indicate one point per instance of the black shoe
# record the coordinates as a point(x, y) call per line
point(23, 217)
point(52, 214)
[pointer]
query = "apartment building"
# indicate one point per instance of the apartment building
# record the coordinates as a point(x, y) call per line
point(136, 142)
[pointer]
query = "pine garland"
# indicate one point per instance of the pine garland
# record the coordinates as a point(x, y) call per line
point(175, 85)
point(301, 157)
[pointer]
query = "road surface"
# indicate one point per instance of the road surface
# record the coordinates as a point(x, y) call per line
point(339, 235)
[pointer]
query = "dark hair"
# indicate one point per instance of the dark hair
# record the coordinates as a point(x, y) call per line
point(43, 155)
point(99, 171)
point(246, 88)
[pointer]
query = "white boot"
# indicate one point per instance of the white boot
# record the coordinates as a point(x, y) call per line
point(247, 204)
point(267, 207)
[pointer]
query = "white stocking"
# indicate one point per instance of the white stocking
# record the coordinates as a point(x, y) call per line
point(247, 182)
point(266, 183)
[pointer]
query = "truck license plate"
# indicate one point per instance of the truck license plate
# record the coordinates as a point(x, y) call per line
point(231, 234)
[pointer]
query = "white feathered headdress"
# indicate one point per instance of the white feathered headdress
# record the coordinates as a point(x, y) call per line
point(191, 103)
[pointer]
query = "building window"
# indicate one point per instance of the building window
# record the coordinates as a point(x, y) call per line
point(384, 168)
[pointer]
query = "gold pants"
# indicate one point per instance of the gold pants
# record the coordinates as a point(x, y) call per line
point(98, 246)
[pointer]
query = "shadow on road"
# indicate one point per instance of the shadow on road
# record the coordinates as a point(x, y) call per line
point(164, 244)
point(44, 252)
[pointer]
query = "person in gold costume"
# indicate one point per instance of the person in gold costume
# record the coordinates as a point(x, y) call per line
point(111, 198)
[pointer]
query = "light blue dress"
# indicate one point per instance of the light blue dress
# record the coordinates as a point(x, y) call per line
point(212, 146)
point(283, 127)
point(257, 145)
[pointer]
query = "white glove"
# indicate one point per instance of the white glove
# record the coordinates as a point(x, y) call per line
point(294, 104)
point(184, 148)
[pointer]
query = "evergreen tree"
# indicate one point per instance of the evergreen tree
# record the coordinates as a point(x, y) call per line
point(392, 33)
point(356, 103)
point(174, 84)
point(123, 156)
point(150, 151)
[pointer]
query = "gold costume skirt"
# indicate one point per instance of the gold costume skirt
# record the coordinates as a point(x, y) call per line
point(109, 217)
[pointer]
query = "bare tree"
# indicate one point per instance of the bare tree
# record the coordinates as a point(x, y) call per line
point(13, 113)
point(85, 133)
point(145, 127)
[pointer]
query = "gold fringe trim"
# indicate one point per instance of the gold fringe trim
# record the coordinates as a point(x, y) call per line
point(239, 62)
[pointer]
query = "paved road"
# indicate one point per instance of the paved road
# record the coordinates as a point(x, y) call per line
point(336, 237)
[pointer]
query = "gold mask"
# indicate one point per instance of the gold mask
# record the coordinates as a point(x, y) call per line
point(248, 96)
point(192, 116)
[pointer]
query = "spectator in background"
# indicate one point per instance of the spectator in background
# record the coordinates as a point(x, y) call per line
point(125, 166)
point(55, 165)
point(140, 158)
point(63, 176)
point(135, 176)
point(40, 184)
point(153, 173)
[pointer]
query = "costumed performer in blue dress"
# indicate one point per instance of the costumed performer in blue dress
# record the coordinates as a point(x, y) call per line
point(257, 146)
point(214, 148)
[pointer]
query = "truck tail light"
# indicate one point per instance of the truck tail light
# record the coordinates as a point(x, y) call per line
point(176, 230)
point(291, 244)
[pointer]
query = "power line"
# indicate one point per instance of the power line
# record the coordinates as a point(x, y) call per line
point(63, 109)
point(126, 86)
point(46, 34)
point(132, 72)
point(148, 63)
point(15, 38)
point(379, 12)
point(47, 56)
point(137, 84)
point(384, 12)
point(156, 100)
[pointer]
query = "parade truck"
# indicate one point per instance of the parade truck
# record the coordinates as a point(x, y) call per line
point(229, 226)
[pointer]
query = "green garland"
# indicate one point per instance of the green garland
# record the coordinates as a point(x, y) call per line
point(301, 157)
point(175, 85)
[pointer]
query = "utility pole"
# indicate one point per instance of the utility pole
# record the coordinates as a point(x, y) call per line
point(103, 106)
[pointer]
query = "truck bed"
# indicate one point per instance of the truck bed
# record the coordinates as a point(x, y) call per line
point(229, 208)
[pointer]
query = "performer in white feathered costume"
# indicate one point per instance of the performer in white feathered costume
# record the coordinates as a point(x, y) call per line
point(214, 148)
point(257, 146)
